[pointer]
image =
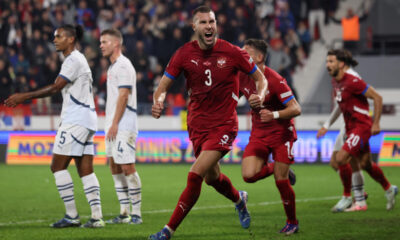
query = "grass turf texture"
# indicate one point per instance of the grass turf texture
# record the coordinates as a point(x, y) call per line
point(29, 202)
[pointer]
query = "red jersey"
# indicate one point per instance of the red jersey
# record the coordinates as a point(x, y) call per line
point(349, 93)
point(277, 131)
point(212, 81)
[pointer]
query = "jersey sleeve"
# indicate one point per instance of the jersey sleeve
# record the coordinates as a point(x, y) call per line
point(174, 67)
point(283, 91)
point(70, 69)
point(125, 77)
point(244, 62)
point(358, 86)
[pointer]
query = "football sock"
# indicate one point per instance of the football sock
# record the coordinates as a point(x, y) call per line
point(345, 176)
point(224, 186)
point(288, 199)
point(186, 201)
point(91, 187)
point(121, 187)
point(358, 187)
point(135, 193)
point(65, 187)
point(376, 173)
point(266, 171)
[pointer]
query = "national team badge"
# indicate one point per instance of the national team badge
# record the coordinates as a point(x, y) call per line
point(221, 62)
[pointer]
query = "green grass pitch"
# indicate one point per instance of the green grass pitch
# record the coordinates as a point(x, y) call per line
point(29, 202)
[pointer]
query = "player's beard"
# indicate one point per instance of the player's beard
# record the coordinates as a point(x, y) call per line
point(333, 72)
point(202, 40)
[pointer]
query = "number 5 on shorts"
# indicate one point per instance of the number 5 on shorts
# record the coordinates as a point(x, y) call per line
point(62, 141)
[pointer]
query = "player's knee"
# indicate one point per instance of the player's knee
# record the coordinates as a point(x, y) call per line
point(249, 180)
point(248, 176)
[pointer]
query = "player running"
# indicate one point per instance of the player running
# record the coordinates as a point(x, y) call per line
point(357, 175)
point(74, 139)
point(210, 66)
point(351, 94)
point(121, 127)
point(272, 131)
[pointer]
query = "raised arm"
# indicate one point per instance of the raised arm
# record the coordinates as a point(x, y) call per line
point(291, 110)
point(159, 96)
point(377, 98)
point(49, 90)
point(262, 89)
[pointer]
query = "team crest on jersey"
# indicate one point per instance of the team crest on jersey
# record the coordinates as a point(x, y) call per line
point(221, 62)
point(250, 60)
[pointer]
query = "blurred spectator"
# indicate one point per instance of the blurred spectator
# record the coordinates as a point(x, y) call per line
point(351, 29)
point(305, 37)
point(5, 81)
point(316, 14)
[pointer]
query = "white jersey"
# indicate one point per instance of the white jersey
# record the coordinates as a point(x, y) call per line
point(121, 74)
point(78, 103)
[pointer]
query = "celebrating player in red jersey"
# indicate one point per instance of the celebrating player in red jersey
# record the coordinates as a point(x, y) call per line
point(272, 132)
point(211, 68)
point(351, 94)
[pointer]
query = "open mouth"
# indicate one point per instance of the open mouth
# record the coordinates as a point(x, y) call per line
point(208, 36)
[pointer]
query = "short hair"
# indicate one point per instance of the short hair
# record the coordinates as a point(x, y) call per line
point(343, 55)
point(73, 31)
point(113, 32)
point(259, 44)
point(202, 9)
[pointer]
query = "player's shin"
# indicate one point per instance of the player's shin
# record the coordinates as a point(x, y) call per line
point(187, 200)
point(91, 187)
point(65, 187)
point(288, 199)
point(121, 188)
point(135, 193)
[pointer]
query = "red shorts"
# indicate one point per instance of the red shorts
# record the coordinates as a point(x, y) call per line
point(219, 139)
point(280, 153)
point(357, 141)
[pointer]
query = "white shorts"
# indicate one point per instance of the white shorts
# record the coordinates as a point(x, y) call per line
point(340, 139)
point(74, 140)
point(123, 148)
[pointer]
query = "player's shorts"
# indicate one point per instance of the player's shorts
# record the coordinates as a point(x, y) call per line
point(218, 139)
point(357, 141)
point(74, 140)
point(340, 139)
point(280, 153)
point(123, 148)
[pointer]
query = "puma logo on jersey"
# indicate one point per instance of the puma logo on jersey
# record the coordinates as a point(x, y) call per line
point(195, 62)
point(247, 90)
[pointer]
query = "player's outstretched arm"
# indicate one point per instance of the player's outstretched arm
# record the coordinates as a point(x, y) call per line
point(49, 90)
point(292, 110)
point(377, 98)
point(331, 120)
point(262, 89)
point(159, 96)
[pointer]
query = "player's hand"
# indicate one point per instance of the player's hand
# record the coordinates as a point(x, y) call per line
point(376, 129)
point(157, 109)
point(321, 132)
point(255, 101)
point(15, 99)
point(112, 132)
point(266, 115)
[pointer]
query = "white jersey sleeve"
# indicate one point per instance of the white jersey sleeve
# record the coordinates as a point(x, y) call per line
point(69, 69)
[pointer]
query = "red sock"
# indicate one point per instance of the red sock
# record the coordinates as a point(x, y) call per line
point(224, 186)
point(376, 173)
point(266, 171)
point(345, 175)
point(288, 199)
point(187, 200)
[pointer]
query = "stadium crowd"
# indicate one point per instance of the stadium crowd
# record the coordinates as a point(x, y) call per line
point(152, 31)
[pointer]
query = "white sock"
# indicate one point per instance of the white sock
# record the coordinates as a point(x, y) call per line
point(92, 191)
point(135, 192)
point(121, 187)
point(357, 180)
point(65, 187)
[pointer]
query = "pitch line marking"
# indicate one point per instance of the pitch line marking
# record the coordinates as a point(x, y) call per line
point(193, 209)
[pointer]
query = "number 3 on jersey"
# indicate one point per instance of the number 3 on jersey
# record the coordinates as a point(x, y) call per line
point(208, 82)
